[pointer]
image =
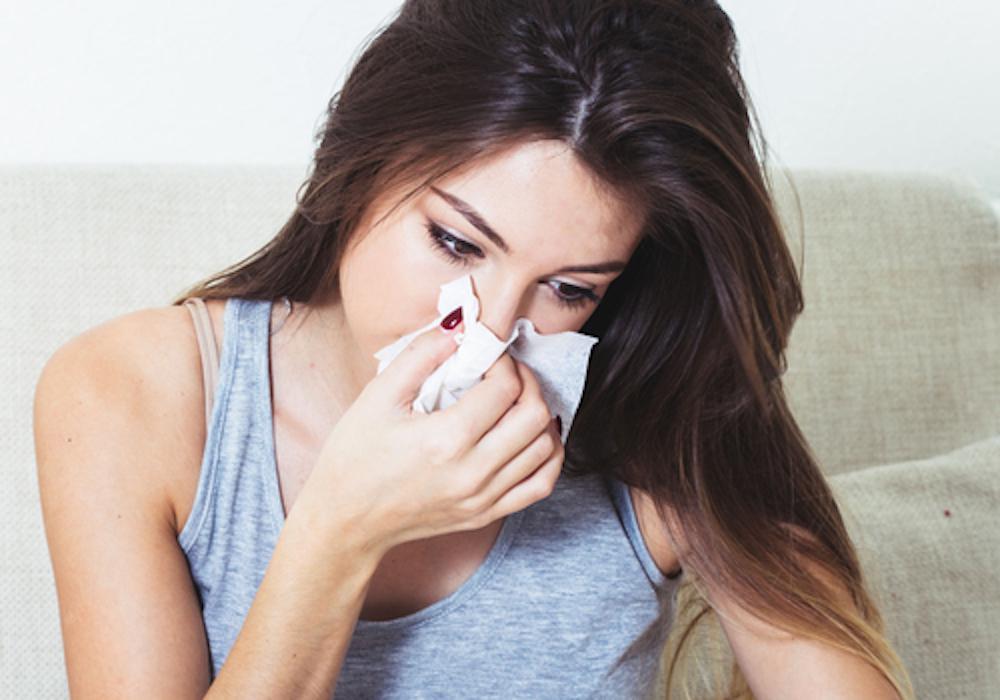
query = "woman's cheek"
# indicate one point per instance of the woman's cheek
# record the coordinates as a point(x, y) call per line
point(411, 279)
point(421, 260)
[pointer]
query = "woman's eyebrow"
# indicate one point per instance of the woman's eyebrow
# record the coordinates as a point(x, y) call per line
point(476, 219)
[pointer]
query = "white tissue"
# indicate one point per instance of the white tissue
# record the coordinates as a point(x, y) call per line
point(558, 360)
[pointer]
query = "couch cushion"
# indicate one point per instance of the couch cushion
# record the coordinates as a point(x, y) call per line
point(927, 535)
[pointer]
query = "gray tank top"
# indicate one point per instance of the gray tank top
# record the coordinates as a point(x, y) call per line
point(560, 608)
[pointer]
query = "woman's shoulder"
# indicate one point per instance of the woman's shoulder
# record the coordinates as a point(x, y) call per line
point(151, 354)
point(142, 372)
point(654, 533)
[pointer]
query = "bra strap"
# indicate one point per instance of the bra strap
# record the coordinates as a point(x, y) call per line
point(208, 350)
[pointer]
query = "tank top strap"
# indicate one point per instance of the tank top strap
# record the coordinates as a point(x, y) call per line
point(237, 480)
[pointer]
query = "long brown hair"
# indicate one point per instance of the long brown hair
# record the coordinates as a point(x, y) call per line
point(683, 397)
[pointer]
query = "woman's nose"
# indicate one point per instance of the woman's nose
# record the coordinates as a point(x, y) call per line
point(499, 307)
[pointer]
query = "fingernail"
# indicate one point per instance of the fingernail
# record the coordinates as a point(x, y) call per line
point(558, 424)
point(452, 319)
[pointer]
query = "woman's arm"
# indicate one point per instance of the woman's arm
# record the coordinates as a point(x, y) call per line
point(105, 437)
point(129, 612)
point(778, 666)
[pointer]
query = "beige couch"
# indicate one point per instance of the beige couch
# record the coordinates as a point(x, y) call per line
point(894, 373)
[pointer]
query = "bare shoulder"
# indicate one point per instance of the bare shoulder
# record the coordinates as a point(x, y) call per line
point(118, 423)
point(654, 534)
point(147, 364)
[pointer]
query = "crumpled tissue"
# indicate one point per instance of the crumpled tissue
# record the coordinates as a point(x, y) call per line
point(558, 360)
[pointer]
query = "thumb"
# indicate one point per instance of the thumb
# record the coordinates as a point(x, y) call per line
point(400, 382)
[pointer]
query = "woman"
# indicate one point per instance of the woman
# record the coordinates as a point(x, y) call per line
point(590, 165)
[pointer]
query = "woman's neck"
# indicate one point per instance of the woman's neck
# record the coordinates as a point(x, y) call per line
point(316, 361)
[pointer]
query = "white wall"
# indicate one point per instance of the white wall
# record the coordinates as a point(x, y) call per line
point(892, 84)
point(886, 85)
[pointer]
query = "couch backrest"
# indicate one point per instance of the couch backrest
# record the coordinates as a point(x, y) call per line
point(896, 354)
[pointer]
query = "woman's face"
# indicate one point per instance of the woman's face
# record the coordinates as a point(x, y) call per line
point(546, 217)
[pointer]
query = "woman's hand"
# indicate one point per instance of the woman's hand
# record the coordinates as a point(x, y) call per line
point(403, 475)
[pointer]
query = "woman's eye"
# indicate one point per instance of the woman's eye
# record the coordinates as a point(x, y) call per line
point(573, 297)
point(453, 248)
point(457, 251)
